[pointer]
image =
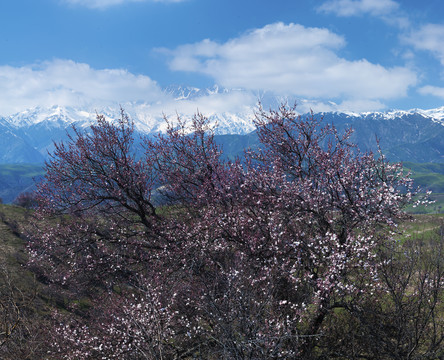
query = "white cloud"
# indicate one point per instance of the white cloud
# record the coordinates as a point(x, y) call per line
point(387, 10)
point(294, 60)
point(429, 37)
point(102, 4)
point(210, 104)
point(67, 83)
point(359, 7)
point(432, 90)
point(231, 102)
point(355, 106)
point(360, 105)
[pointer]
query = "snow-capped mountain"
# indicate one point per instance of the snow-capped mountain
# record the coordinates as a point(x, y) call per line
point(29, 135)
point(145, 122)
point(56, 116)
point(436, 115)
point(416, 135)
point(179, 92)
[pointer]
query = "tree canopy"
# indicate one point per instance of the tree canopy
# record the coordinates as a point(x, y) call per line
point(184, 254)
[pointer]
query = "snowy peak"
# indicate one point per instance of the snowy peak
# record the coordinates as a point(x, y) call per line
point(144, 121)
point(435, 115)
point(147, 122)
point(188, 93)
point(56, 116)
point(414, 135)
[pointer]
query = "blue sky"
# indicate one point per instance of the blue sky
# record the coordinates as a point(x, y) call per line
point(356, 55)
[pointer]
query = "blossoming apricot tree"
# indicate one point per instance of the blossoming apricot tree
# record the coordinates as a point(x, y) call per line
point(206, 257)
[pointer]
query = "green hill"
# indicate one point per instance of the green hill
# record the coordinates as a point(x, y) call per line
point(429, 176)
point(17, 178)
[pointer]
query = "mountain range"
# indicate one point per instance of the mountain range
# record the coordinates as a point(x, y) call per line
point(414, 135)
point(28, 137)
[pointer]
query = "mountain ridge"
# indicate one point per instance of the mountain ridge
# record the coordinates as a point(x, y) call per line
point(414, 135)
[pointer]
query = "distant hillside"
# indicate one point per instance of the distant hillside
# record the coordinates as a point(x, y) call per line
point(403, 136)
point(17, 178)
point(428, 176)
